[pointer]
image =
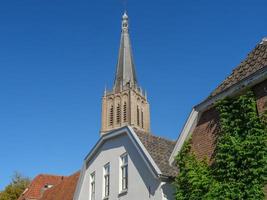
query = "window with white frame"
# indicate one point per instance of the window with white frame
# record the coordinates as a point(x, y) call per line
point(124, 172)
point(92, 186)
point(106, 180)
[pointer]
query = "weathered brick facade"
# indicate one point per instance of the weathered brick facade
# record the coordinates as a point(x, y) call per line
point(207, 129)
point(260, 92)
point(206, 132)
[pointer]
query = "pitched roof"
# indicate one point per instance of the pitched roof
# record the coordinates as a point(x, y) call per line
point(37, 186)
point(255, 61)
point(64, 190)
point(160, 150)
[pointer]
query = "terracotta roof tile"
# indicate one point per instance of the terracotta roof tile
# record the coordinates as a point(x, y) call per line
point(64, 190)
point(36, 188)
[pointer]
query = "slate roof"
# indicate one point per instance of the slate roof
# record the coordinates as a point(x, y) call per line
point(255, 61)
point(160, 150)
point(37, 186)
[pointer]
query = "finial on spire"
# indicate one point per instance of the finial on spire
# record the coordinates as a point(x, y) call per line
point(125, 21)
point(125, 16)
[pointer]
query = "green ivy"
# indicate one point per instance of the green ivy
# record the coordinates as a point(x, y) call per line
point(239, 169)
point(194, 178)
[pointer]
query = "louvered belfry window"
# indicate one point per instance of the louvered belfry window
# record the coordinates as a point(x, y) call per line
point(111, 116)
point(124, 112)
point(138, 117)
point(118, 114)
point(142, 119)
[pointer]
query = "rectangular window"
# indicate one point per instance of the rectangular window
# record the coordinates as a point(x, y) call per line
point(124, 172)
point(106, 180)
point(92, 186)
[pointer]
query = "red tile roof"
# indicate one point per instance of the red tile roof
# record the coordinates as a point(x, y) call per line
point(63, 187)
point(64, 190)
point(37, 186)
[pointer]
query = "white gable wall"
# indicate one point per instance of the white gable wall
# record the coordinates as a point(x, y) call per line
point(141, 179)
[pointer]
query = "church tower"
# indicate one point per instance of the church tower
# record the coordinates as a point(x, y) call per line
point(126, 103)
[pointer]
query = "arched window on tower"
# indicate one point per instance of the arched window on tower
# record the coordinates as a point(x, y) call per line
point(138, 117)
point(142, 119)
point(124, 112)
point(111, 115)
point(118, 120)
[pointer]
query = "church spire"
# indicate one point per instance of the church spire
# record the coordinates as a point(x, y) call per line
point(126, 104)
point(125, 73)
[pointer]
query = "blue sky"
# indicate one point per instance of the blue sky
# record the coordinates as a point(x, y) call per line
point(56, 56)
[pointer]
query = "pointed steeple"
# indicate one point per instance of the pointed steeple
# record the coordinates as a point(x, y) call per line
point(125, 73)
point(126, 104)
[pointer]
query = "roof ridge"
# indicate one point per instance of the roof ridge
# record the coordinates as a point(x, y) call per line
point(76, 172)
point(53, 175)
point(254, 61)
point(163, 138)
point(153, 135)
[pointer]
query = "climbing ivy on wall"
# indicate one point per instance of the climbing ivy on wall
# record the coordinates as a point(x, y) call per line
point(194, 179)
point(239, 168)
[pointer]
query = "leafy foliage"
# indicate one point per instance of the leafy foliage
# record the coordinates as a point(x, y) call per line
point(15, 188)
point(239, 169)
point(194, 178)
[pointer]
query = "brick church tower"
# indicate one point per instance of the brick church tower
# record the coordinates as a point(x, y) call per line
point(126, 103)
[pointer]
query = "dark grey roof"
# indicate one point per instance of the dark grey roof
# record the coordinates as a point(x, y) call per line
point(255, 61)
point(125, 72)
point(160, 150)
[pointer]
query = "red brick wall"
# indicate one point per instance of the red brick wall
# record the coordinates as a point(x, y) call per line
point(207, 130)
point(205, 134)
point(260, 92)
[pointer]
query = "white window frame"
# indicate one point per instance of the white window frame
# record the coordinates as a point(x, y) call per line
point(124, 175)
point(92, 186)
point(106, 181)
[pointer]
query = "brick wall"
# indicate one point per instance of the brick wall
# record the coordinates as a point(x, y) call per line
point(206, 132)
point(260, 92)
